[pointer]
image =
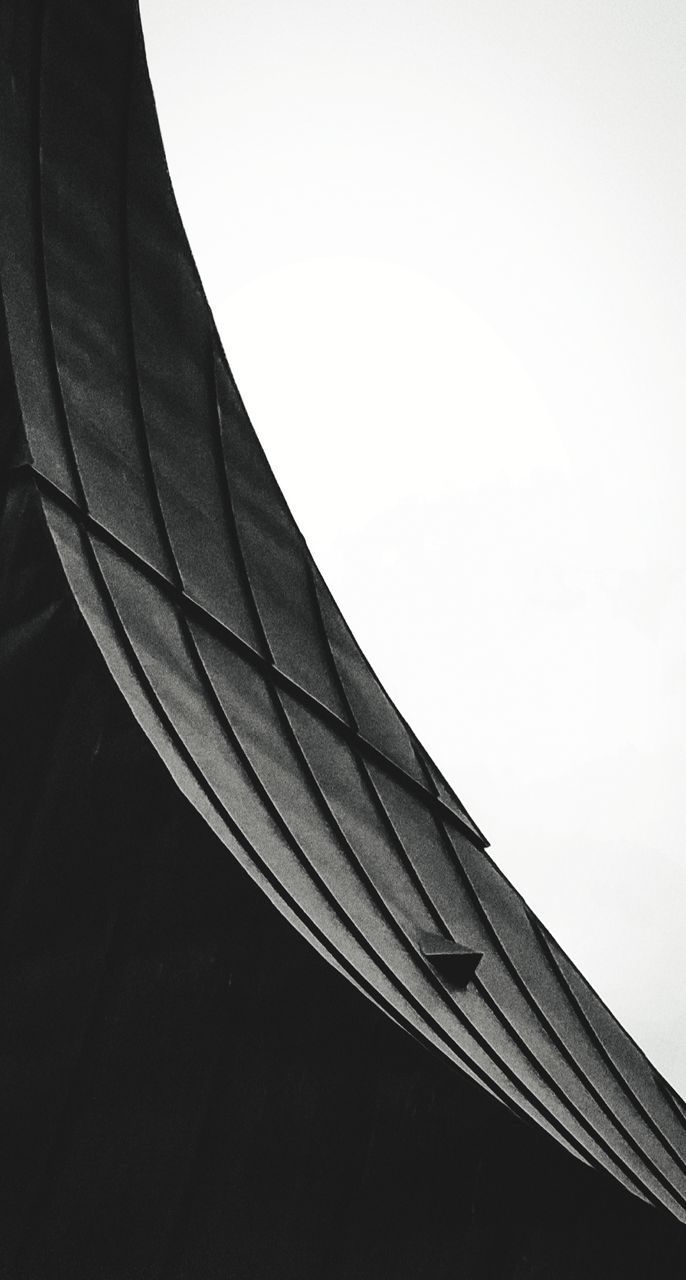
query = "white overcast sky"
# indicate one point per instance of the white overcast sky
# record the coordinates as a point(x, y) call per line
point(444, 242)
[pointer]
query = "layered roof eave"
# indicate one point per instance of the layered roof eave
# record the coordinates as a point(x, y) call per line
point(221, 634)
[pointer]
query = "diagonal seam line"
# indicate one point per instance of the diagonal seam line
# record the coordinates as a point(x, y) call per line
point(217, 445)
point(283, 894)
point(365, 776)
point(436, 802)
point(539, 1107)
point(80, 510)
point(184, 599)
point(434, 979)
point(271, 672)
point(535, 1102)
point(430, 786)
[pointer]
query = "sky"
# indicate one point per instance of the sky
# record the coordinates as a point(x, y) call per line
point(444, 242)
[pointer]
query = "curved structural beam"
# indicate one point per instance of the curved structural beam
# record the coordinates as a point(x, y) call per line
point(221, 634)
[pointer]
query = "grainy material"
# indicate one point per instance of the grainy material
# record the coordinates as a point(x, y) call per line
point(210, 633)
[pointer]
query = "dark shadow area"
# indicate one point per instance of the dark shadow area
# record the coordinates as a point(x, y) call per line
point(187, 1089)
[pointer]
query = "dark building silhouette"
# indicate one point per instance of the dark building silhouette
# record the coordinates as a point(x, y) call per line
point(231, 880)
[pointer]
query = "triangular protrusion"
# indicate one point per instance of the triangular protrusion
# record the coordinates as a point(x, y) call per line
point(455, 962)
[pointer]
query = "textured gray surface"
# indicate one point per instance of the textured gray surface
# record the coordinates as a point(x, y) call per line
point(215, 624)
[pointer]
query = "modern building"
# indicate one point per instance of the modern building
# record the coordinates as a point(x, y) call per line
point(269, 1009)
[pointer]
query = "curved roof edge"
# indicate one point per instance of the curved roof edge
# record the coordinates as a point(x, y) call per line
point(221, 634)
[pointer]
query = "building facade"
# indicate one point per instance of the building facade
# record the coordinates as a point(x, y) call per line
point(270, 1009)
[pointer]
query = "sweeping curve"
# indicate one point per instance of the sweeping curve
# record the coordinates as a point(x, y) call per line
point(216, 625)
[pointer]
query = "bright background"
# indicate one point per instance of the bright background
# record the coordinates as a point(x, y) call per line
point(444, 241)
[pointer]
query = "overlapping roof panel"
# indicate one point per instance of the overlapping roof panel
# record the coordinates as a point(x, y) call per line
point(221, 634)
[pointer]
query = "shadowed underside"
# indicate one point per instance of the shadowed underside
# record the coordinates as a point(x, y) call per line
point(120, 413)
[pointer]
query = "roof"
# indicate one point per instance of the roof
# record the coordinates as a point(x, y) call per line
point(222, 636)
